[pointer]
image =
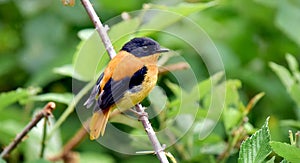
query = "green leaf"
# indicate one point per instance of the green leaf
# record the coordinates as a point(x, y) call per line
point(9, 129)
point(290, 123)
point(158, 101)
point(284, 161)
point(168, 15)
point(232, 95)
point(294, 66)
point(95, 157)
point(287, 151)
point(231, 118)
point(288, 19)
point(123, 31)
point(283, 74)
point(2, 161)
point(295, 93)
point(268, 3)
point(65, 98)
point(39, 161)
point(257, 147)
point(90, 52)
point(33, 142)
point(185, 8)
point(232, 115)
point(85, 33)
point(205, 86)
point(68, 70)
point(8, 98)
point(271, 160)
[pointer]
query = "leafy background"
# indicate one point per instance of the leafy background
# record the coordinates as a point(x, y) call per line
point(257, 40)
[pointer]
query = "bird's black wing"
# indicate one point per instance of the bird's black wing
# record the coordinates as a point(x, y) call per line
point(90, 101)
point(115, 90)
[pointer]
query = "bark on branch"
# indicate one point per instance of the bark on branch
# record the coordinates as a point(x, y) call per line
point(159, 150)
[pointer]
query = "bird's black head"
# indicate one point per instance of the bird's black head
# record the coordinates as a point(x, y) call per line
point(141, 47)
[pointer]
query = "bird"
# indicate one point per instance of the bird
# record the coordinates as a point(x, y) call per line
point(128, 79)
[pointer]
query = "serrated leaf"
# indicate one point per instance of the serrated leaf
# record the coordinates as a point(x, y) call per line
point(283, 74)
point(256, 148)
point(287, 151)
point(8, 98)
point(65, 98)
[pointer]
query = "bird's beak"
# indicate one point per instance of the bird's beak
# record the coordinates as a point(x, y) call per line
point(162, 50)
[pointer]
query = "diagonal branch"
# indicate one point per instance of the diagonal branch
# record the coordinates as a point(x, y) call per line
point(47, 111)
point(99, 27)
point(159, 150)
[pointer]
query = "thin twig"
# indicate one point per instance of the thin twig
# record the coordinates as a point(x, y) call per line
point(76, 139)
point(159, 150)
point(173, 67)
point(47, 111)
point(237, 136)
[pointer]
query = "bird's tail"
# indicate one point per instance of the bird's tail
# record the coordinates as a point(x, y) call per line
point(98, 123)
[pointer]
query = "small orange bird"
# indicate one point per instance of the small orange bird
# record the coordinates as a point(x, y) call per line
point(126, 81)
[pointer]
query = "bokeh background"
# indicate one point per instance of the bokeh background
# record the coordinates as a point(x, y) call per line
point(38, 36)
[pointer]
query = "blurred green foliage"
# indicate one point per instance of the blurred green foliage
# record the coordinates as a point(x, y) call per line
point(40, 50)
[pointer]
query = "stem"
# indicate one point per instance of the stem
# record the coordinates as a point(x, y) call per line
point(236, 138)
point(159, 150)
point(44, 138)
point(47, 111)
